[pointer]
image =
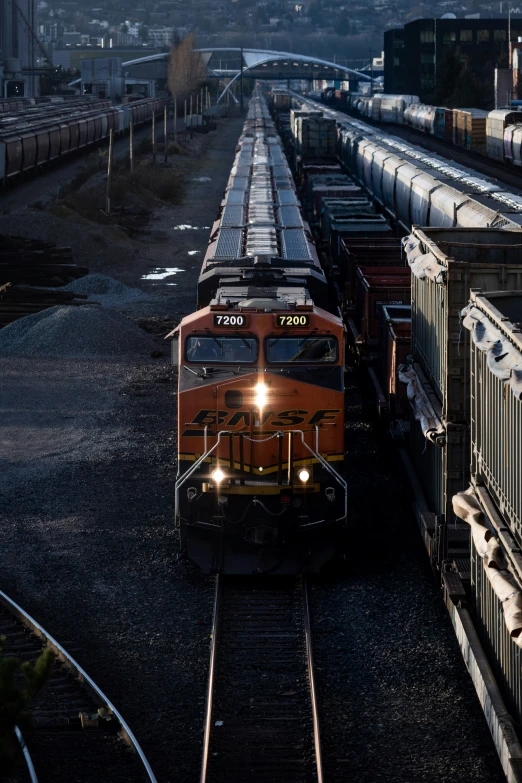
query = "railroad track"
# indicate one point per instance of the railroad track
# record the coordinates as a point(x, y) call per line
point(261, 714)
point(76, 726)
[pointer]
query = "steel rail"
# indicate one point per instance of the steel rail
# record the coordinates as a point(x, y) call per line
point(74, 666)
point(311, 680)
point(27, 756)
point(211, 673)
point(211, 678)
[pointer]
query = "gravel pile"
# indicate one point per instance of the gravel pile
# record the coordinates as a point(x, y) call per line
point(106, 290)
point(75, 333)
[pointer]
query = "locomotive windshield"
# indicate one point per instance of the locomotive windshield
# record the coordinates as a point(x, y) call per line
point(302, 350)
point(214, 349)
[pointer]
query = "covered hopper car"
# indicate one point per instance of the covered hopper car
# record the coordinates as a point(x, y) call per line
point(32, 139)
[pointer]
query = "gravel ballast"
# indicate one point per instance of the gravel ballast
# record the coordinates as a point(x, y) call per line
point(106, 290)
point(74, 332)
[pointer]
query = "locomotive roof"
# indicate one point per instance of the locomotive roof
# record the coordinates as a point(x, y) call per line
point(264, 298)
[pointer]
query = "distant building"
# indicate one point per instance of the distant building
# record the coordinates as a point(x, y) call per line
point(51, 31)
point(162, 36)
point(117, 38)
point(18, 48)
point(72, 39)
point(71, 57)
point(414, 53)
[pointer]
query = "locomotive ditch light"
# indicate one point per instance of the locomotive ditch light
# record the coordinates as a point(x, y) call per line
point(303, 475)
point(218, 475)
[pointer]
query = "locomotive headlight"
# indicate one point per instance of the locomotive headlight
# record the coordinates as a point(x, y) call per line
point(303, 475)
point(261, 395)
point(218, 475)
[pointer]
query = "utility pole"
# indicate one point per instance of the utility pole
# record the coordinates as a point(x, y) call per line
point(165, 132)
point(509, 36)
point(175, 119)
point(131, 146)
point(153, 138)
point(242, 102)
point(109, 172)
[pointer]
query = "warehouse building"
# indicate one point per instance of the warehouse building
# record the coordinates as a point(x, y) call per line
point(415, 53)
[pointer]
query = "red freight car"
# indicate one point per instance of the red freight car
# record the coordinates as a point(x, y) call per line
point(374, 287)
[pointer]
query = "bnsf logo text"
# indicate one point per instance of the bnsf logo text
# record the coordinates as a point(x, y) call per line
point(291, 418)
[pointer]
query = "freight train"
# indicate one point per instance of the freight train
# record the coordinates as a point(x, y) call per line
point(495, 134)
point(260, 485)
point(419, 188)
point(438, 326)
point(44, 133)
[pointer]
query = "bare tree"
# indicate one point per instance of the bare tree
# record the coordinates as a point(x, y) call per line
point(186, 69)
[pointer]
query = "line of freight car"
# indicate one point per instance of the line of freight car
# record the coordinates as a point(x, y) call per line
point(416, 187)
point(494, 134)
point(359, 251)
point(29, 119)
point(13, 104)
point(43, 109)
point(30, 150)
point(492, 506)
point(466, 407)
point(464, 383)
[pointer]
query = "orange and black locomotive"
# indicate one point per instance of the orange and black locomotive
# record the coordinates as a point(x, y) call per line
point(260, 485)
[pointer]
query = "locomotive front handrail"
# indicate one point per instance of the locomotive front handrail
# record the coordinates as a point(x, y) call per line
point(280, 433)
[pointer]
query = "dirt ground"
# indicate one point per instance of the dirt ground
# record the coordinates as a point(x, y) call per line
point(87, 458)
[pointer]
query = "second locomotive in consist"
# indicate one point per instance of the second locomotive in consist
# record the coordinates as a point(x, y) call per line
point(260, 485)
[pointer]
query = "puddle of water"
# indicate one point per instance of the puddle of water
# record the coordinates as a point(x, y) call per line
point(188, 227)
point(202, 179)
point(161, 273)
point(193, 252)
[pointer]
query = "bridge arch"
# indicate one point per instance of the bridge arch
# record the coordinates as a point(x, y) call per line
point(257, 62)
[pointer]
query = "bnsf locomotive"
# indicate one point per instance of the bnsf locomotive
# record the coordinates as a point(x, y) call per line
point(260, 485)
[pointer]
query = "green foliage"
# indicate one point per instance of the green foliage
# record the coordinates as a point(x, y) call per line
point(19, 684)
